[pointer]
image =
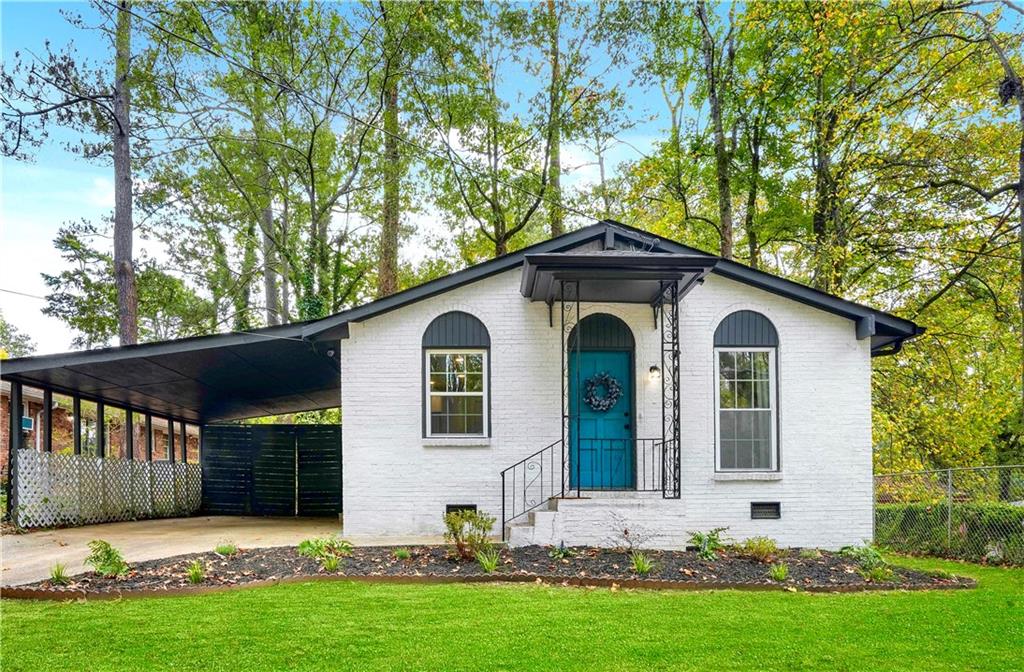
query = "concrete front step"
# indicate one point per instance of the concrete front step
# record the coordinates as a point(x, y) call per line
point(563, 516)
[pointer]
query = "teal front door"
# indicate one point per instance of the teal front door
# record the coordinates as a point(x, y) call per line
point(601, 443)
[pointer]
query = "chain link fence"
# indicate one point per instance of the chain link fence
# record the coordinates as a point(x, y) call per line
point(972, 514)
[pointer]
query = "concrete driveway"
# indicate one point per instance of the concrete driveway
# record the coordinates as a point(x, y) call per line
point(29, 557)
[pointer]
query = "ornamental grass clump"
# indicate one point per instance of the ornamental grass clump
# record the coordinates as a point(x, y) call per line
point(196, 572)
point(106, 560)
point(779, 572)
point(467, 533)
point(762, 549)
point(402, 554)
point(226, 549)
point(59, 575)
point(641, 562)
point(488, 559)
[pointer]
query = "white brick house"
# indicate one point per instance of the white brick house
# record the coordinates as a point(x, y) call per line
point(599, 381)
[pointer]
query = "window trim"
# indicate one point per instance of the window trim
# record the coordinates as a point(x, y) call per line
point(773, 386)
point(485, 393)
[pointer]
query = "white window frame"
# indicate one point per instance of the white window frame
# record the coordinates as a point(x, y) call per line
point(484, 395)
point(773, 388)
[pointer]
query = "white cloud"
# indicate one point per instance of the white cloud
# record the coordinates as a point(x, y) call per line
point(101, 193)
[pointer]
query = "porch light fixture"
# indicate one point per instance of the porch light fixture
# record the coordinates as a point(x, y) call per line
point(655, 373)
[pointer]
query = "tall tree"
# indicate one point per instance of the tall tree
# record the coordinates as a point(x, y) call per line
point(94, 100)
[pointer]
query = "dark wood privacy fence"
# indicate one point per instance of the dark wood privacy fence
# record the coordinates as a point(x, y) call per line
point(272, 470)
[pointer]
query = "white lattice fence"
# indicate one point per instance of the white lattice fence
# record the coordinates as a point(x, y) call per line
point(56, 489)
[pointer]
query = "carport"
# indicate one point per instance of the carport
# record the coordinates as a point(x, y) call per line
point(192, 387)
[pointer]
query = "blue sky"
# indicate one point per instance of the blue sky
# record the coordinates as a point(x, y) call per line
point(36, 198)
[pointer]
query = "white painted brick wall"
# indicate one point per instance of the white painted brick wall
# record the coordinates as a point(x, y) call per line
point(394, 484)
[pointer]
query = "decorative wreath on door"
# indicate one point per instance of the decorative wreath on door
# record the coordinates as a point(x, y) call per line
point(611, 388)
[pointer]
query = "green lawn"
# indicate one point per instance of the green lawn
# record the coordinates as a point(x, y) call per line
point(338, 625)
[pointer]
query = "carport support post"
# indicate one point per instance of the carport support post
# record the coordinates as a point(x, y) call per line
point(170, 440)
point(14, 445)
point(101, 431)
point(149, 437)
point(47, 421)
point(184, 443)
point(76, 424)
point(129, 435)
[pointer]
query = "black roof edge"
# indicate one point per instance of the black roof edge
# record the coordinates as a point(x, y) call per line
point(10, 367)
point(871, 321)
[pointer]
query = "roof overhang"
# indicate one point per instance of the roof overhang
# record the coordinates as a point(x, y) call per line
point(206, 379)
point(611, 276)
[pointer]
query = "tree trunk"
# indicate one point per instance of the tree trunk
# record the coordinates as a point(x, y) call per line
point(753, 246)
point(270, 298)
point(286, 307)
point(124, 266)
point(387, 262)
point(723, 160)
point(555, 166)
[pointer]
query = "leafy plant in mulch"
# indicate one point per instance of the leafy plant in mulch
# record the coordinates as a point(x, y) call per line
point(641, 563)
point(467, 533)
point(59, 575)
point(561, 552)
point(762, 549)
point(330, 563)
point(488, 559)
point(402, 554)
point(196, 572)
point(105, 559)
point(878, 574)
point(866, 557)
point(320, 547)
point(778, 572)
point(708, 544)
point(810, 554)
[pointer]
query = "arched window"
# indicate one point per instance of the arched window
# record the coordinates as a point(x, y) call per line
point(746, 404)
point(456, 384)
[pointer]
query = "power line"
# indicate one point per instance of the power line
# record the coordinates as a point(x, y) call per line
point(31, 296)
point(352, 117)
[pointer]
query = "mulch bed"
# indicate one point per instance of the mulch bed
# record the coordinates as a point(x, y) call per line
point(587, 566)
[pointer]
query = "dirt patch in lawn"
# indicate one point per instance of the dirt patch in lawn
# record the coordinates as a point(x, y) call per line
point(583, 566)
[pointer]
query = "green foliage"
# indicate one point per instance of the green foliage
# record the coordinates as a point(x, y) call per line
point(762, 549)
point(13, 342)
point(322, 547)
point(196, 572)
point(809, 553)
point(226, 549)
point(59, 575)
point(402, 554)
point(488, 559)
point(980, 531)
point(878, 574)
point(106, 560)
point(708, 544)
point(561, 552)
point(330, 563)
point(467, 533)
point(866, 557)
point(641, 563)
point(779, 572)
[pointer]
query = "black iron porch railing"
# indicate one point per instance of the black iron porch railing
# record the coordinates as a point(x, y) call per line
point(594, 465)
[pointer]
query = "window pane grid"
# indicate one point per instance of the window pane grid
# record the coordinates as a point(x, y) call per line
point(456, 388)
point(745, 410)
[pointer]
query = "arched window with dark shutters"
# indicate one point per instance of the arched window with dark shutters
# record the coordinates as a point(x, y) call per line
point(456, 348)
point(746, 404)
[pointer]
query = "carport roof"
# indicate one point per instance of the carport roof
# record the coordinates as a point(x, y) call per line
point(204, 379)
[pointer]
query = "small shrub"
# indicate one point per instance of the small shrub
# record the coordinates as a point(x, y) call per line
point(708, 544)
point(779, 572)
point(402, 554)
point(59, 575)
point(330, 563)
point(810, 553)
point(488, 559)
point(106, 560)
point(467, 533)
point(321, 547)
point(226, 549)
point(762, 549)
point(641, 563)
point(878, 574)
point(196, 572)
point(866, 557)
point(561, 552)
